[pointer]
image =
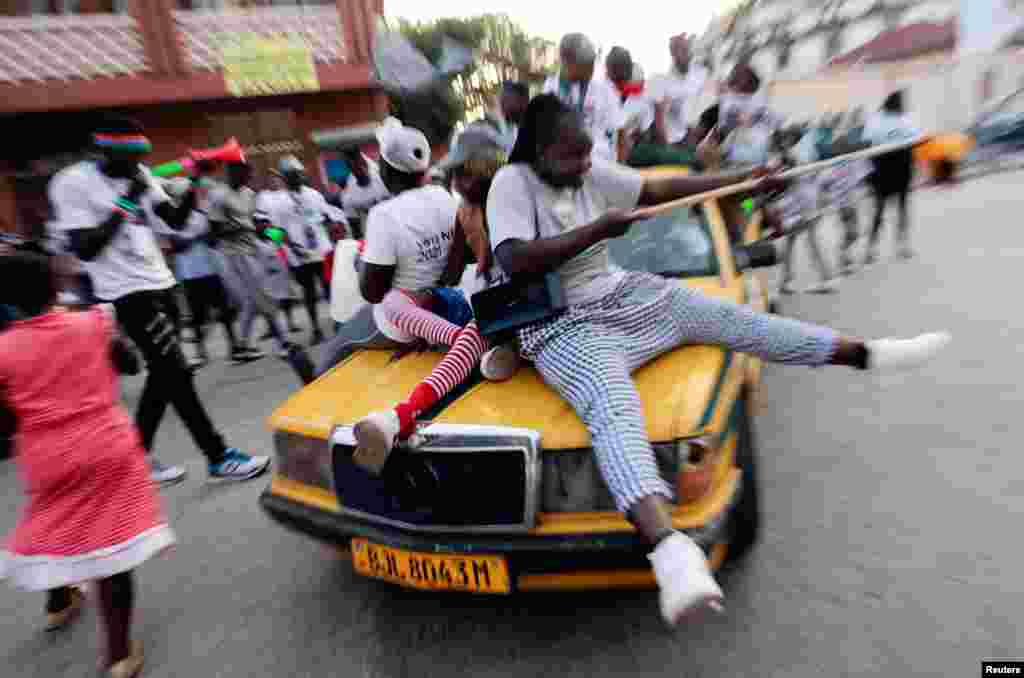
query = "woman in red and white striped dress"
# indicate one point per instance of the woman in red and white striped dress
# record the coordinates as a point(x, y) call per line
point(93, 513)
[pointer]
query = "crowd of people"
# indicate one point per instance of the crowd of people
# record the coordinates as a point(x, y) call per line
point(537, 188)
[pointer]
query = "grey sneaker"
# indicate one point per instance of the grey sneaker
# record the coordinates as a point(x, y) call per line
point(500, 363)
point(161, 474)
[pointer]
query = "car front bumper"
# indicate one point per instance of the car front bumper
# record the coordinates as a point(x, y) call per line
point(536, 562)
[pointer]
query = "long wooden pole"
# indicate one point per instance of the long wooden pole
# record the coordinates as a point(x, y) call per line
point(795, 173)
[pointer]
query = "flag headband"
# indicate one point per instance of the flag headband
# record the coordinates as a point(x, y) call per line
point(135, 143)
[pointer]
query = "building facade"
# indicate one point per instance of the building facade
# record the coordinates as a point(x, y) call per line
point(819, 58)
point(161, 62)
point(795, 39)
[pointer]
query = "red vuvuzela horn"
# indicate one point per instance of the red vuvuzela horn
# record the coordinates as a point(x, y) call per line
point(229, 152)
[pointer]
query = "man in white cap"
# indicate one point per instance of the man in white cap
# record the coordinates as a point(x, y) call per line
point(408, 239)
point(301, 212)
point(596, 99)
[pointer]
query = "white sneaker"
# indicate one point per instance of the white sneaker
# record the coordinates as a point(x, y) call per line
point(825, 287)
point(903, 354)
point(787, 288)
point(375, 437)
point(237, 465)
point(684, 579)
point(500, 363)
point(161, 474)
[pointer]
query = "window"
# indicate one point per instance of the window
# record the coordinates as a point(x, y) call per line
point(677, 244)
point(59, 7)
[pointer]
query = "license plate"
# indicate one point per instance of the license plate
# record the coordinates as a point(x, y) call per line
point(430, 571)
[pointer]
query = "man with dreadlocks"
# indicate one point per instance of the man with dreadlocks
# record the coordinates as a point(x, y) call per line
point(553, 209)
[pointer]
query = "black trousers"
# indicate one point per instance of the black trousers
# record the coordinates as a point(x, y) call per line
point(307, 276)
point(206, 295)
point(149, 320)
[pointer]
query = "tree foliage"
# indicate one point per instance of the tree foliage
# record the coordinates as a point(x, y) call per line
point(503, 51)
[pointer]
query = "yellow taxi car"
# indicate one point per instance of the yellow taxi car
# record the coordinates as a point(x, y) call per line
point(501, 492)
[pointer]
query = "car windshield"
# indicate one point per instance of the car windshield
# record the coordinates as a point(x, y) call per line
point(676, 244)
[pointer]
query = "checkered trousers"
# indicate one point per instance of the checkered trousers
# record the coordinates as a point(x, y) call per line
point(589, 353)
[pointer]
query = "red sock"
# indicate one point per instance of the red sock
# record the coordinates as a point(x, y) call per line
point(421, 398)
point(449, 373)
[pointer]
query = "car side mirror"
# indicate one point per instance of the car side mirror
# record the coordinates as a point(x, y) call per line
point(756, 255)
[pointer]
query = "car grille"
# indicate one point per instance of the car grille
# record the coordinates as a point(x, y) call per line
point(573, 483)
point(458, 479)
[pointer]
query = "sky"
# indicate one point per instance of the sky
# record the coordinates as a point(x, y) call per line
point(645, 34)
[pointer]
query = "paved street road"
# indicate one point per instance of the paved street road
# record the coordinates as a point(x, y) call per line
point(892, 543)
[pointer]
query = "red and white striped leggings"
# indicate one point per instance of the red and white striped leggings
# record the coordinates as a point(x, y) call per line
point(466, 344)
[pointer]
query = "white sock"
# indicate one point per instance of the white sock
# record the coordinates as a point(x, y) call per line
point(683, 577)
point(902, 354)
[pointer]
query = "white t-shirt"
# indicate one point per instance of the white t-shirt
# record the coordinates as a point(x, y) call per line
point(638, 113)
point(357, 200)
point(412, 232)
point(83, 197)
point(518, 199)
point(196, 261)
point(601, 109)
point(301, 214)
point(889, 128)
point(682, 92)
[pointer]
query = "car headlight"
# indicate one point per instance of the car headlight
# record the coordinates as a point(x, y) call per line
point(304, 459)
point(572, 481)
point(693, 461)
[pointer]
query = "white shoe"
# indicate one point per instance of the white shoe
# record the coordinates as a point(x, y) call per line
point(787, 288)
point(500, 363)
point(375, 437)
point(872, 256)
point(902, 354)
point(825, 287)
point(684, 579)
point(161, 474)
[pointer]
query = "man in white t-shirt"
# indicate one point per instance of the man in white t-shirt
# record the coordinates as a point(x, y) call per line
point(645, 129)
point(301, 212)
point(363, 189)
point(107, 210)
point(553, 209)
point(408, 239)
point(595, 98)
point(678, 90)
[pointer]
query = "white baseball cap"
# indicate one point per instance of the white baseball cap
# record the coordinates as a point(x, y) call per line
point(404, 148)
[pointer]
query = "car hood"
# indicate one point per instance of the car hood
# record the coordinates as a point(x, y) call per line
point(677, 390)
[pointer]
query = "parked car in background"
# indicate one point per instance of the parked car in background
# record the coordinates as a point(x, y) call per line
point(1000, 130)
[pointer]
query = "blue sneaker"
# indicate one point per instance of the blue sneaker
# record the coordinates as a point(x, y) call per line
point(237, 465)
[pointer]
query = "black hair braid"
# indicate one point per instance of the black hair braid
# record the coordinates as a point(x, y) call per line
point(539, 129)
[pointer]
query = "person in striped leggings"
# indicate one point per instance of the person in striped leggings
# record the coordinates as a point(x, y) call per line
point(409, 242)
point(554, 208)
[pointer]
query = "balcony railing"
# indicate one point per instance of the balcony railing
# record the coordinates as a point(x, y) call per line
point(42, 48)
point(204, 32)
